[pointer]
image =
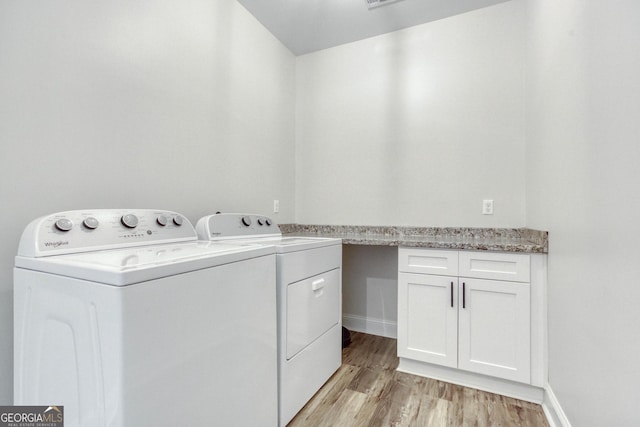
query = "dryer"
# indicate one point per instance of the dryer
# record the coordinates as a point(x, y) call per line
point(126, 319)
point(309, 295)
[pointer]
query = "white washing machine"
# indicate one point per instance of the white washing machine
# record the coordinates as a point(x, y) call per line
point(126, 319)
point(309, 293)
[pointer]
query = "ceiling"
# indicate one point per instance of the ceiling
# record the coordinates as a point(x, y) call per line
point(308, 25)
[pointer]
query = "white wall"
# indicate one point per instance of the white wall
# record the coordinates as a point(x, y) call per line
point(187, 106)
point(583, 152)
point(415, 127)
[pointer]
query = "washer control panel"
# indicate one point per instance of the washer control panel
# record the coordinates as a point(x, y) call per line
point(224, 226)
point(83, 231)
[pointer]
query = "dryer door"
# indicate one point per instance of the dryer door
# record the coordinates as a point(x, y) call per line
point(313, 307)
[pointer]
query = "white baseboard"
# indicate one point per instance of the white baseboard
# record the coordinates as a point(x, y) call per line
point(381, 327)
point(552, 409)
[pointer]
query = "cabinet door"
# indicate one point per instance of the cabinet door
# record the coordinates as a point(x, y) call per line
point(495, 328)
point(428, 318)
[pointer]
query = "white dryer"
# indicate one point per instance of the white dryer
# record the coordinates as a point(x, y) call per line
point(126, 319)
point(309, 294)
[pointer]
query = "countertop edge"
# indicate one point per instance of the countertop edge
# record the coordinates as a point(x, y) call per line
point(517, 240)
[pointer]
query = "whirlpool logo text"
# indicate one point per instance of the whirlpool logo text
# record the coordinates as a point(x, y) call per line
point(56, 244)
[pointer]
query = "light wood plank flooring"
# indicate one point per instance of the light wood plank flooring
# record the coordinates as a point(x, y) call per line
point(367, 391)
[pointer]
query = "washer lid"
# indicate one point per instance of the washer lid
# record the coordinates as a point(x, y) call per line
point(121, 267)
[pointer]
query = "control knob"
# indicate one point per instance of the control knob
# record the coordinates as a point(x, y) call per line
point(161, 220)
point(91, 223)
point(178, 220)
point(268, 221)
point(246, 221)
point(63, 224)
point(129, 220)
point(260, 221)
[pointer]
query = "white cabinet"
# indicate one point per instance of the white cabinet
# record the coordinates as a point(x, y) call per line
point(494, 329)
point(466, 310)
point(428, 318)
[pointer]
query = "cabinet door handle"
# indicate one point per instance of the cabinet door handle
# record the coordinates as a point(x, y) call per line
point(464, 296)
point(452, 294)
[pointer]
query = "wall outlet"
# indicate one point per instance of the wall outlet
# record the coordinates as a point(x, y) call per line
point(487, 207)
point(276, 206)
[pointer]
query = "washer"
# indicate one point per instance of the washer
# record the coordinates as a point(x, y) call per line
point(309, 294)
point(126, 319)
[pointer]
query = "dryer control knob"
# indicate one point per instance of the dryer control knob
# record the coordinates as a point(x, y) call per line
point(91, 223)
point(63, 224)
point(246, 221)
point(178, 220)
point(162, 220)
point(260, 221)
point(129, 220)
point(268, 221)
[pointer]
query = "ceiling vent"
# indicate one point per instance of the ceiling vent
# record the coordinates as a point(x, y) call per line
point(372, 4)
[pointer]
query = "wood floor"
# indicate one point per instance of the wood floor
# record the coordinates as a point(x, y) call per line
point(367, 391)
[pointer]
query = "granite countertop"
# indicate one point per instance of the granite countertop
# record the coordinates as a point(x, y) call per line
point(478, 239)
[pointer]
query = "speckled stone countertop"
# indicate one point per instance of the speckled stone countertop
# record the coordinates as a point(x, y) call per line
point(476, 239)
